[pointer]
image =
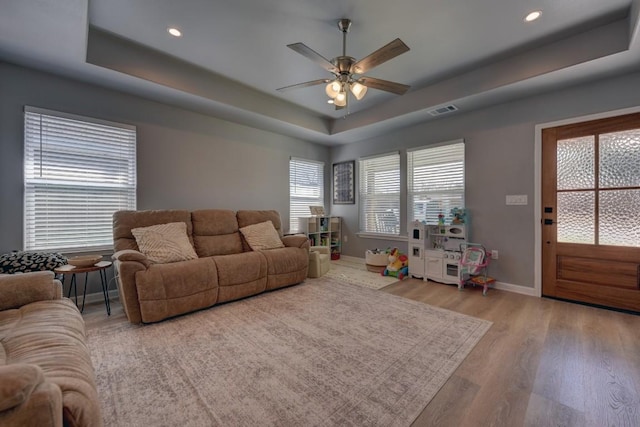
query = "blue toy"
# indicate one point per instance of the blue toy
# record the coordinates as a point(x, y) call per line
point(459, 216)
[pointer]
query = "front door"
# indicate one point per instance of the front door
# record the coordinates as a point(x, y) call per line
point(591, 212)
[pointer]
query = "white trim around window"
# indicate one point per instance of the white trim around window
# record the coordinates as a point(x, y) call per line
point(435, 181)
point(379, 195)
point(306, 188)
point(77, 172)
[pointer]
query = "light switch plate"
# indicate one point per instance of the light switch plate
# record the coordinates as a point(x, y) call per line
point(517, 199)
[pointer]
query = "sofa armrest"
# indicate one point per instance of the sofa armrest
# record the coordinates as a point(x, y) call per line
point(131, 255)
point(296, 241)
point(17, 381)
point(20, 289)
point(127, 263)
point(320, 249)
point(26, 398)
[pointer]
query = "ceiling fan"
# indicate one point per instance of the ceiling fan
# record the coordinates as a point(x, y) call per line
point(347, 71)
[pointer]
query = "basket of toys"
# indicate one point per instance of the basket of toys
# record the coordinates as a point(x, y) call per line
point(377, 260)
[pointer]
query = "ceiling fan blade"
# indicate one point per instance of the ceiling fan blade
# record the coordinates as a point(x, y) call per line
point(311, 54)
point(380, 56)
point(386, 85)
point(305, 84)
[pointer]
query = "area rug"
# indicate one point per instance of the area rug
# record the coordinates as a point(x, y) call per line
point(354, 270)
point(320, 353)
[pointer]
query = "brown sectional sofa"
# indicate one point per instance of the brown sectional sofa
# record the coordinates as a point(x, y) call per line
point(226, 269)
point(46, 374)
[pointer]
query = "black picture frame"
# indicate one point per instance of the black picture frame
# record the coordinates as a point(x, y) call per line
point(344, 183)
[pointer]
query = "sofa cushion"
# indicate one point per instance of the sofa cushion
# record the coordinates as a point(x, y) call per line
point(247, 217)
point(20, 289)
point(166, 290)
point(262, 236)
point(241, 275)
point(215, 232)
point(286, 266)
point(165, 243)
point(24, 262)
point(125, 221)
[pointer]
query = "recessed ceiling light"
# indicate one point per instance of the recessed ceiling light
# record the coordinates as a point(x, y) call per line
point(174, 32)
point(330, 101)
point(533, 16)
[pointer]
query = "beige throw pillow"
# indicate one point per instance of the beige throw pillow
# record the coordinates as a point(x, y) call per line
point(262, 236)
point(165, 242)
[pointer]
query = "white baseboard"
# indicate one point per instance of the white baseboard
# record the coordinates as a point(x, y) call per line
point(523, 290)
point(113, 294)
point(96, 297)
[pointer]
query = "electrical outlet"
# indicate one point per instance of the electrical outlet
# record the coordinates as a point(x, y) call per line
point(494, 254)
point(345, 238)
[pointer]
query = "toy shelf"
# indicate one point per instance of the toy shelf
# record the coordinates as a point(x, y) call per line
point(323, 231)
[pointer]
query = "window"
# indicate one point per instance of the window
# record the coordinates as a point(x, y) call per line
point(380, 194)
point(435, 182)
point(77, 173)
point(306, 188)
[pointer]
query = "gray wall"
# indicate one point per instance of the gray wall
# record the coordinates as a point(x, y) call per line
point(189, 160)
point(185, 159)
point(499, 154)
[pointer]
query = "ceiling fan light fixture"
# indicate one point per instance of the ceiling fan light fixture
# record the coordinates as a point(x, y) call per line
point(332, 89)
point(358, 90)
point(344, 68)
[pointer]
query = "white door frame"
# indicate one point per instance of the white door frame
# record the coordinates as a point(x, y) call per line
point(537, 190)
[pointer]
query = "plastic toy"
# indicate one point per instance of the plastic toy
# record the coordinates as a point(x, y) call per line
point(441, 223)
point(458, 215)
point(398, 265)
point(474, 267)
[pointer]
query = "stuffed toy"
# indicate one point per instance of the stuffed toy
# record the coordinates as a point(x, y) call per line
point(398, 265)
point(459, 216)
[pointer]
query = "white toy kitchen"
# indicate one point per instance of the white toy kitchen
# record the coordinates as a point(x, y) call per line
point(439, 252)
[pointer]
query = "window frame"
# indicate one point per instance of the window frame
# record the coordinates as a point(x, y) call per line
point(390, 199)
point(294, 214)
point(62, 172)
point(441, 150)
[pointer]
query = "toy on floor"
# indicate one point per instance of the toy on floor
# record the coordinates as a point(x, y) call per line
point(377, 259)
point(474, 267)
point(398, 265)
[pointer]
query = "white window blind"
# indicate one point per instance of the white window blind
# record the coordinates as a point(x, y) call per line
point(435, 182)
point(77, 173)
point(306, 188)
point(380, 194)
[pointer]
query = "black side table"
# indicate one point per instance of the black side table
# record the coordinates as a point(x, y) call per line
point(100, 267)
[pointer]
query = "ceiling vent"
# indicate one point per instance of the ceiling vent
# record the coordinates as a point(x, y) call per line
point(443, 110)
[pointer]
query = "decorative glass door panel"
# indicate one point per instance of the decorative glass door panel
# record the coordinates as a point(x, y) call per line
point(591, 212)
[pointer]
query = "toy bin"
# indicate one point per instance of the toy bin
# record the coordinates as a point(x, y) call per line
point(376, 261)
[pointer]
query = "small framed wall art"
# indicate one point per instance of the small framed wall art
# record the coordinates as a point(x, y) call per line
point(344, 183)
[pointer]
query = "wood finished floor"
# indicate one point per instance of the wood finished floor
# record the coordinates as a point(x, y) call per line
point(542, 363)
